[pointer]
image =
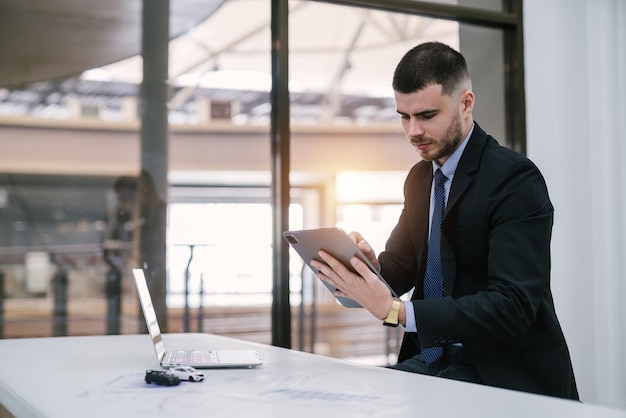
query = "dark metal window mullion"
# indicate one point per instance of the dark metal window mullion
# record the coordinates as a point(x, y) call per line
point(280, 141)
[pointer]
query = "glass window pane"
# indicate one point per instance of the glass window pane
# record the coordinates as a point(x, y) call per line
point(342, 75)
point(69, 213)
point(347, 139)
point(212, 240)
point(483, 49)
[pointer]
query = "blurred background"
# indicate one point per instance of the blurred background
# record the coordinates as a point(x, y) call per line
point(153, 135)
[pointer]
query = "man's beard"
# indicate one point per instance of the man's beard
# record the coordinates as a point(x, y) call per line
point(450, 141)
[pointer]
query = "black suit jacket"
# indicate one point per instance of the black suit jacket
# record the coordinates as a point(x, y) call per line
point(495, 251)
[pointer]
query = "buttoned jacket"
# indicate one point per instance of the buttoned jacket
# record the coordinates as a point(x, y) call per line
point(495, 251)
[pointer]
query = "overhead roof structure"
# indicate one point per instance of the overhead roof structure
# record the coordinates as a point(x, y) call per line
point(340, 58)
point(44, 40)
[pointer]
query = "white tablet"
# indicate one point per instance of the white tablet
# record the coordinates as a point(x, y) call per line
point(308, 242)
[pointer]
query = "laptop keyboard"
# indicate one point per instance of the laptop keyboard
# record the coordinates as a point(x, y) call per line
point(192, 356)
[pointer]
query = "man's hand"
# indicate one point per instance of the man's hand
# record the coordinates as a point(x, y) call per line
point(366, 248)
point(365, 287)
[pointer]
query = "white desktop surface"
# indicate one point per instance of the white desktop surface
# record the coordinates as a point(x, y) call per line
point(103, 376)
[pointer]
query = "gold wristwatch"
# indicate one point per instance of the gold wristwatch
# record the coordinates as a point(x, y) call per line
point(392, 319)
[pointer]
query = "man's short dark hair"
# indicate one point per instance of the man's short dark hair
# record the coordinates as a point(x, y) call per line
point(430, 63)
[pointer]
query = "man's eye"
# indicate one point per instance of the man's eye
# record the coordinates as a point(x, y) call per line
point(428, 116)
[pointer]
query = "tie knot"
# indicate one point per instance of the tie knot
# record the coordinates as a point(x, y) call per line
point(440, 178)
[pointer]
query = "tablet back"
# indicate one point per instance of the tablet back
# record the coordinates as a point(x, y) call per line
point(308, 242)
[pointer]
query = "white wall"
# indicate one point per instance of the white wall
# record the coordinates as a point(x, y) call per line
point(576, 115)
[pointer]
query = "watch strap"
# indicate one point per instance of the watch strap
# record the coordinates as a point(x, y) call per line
point(392, 319)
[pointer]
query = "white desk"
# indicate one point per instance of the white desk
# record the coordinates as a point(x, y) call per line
point(102, 376)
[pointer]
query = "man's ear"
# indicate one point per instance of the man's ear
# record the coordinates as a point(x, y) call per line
point(467, 101)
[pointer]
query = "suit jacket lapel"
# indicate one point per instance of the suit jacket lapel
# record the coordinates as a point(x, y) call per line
point(462, 180)
point(467, 164)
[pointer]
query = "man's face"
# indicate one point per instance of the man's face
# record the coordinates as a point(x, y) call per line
point(435, 123)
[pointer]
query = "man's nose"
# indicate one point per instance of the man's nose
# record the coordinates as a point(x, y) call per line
point(414, 129)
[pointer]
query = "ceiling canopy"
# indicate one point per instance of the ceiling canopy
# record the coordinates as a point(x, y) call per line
point(45, 40)
point(338, 55)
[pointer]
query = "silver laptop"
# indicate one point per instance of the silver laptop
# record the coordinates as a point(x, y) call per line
point(201, 358)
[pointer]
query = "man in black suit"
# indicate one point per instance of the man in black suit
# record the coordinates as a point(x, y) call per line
point(494, 321)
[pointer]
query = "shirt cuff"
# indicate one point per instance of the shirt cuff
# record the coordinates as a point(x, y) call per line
point(410, 326)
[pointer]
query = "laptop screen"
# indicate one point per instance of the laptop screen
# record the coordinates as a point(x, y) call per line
point(148, 312)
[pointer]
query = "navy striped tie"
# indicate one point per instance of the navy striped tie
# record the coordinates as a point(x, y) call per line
point(433, 280)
